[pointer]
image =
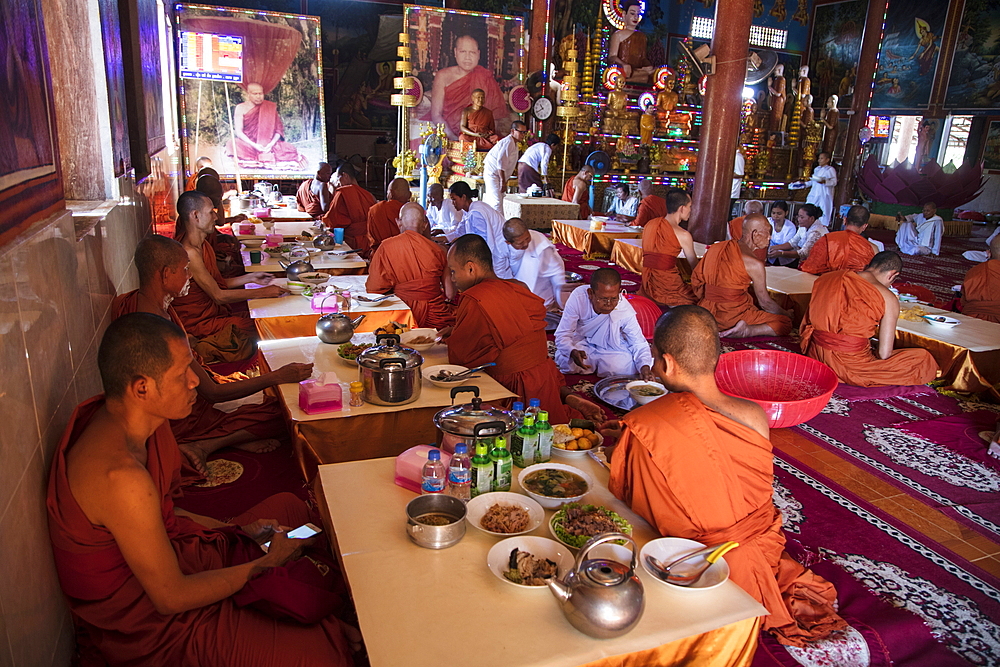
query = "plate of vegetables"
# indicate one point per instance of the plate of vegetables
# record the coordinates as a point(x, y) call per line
point(576, 523)
point(348, 352)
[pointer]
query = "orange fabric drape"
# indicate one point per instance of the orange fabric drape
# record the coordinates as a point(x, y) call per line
point(661, 280)
point(349, 210)
point(414, 267)
point(569, 194)
point(382, 222)
point(836, 251)
point(650, 208)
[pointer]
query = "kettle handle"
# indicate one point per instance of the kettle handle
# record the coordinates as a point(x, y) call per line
point(323, 300)
point(601, 539)
point(455, 391)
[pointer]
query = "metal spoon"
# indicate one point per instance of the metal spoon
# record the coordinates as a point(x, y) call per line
point(689, 574)
point(473, 370)
point(378, 300)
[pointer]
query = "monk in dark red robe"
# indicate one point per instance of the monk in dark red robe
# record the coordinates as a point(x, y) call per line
point(454, 86)
point(477, 123)
point(752, 207)
point(577, 190)
point(844, 250)
point(981, 287)
point(651, 207)
point(662, 242)
point(383, 217)
point(199, 164)
point(315, 195)
point(501, 321)
point(698, 438)
point(148, 583)
point(415, 268)
point(260, 132)
point(350, 208)
point(723, 277)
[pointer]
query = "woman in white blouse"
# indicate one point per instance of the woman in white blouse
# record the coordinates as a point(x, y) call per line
point(809, 231)
point(782, 230)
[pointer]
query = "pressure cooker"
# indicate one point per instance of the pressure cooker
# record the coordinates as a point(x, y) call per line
point(389, 372)
point(472, 422)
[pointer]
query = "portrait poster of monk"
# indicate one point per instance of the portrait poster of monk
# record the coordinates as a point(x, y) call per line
point(456, 54)
point(251, 93)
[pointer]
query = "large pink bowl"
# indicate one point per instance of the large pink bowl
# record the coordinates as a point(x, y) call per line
point(792, 388)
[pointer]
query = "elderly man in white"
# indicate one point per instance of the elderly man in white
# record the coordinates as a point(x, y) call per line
point(528, 256)
point(500, 164)
point(599, 332)
point(920, 234)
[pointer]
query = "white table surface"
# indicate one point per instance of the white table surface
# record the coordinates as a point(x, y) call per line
point(288, 213)
point(411, 601)
point(291, 305)
point(973, 333)
point(319, 262)
point(789, 281)
point(287, 229)
point(310, 349)
point(699, 248)
point(609, 228)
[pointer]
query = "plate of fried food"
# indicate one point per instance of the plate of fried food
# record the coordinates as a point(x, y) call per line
point(504, 514)
point(574, 442)
point(912, 314)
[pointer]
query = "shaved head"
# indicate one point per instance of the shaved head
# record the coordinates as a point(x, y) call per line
point(995, 247)
point(155, 253)
point(885, 262)
point(202, 162)
point(755, 222)
point(399, 190)
point(606, 276)
point(191, 201)
point(857, 217)
point(435, 189)
point(346, 174)
point(645, 187)
point(513, 229)
point(753, 207)
point(412, 218)
point(690, 335)
point(136, 345)
point(211, 186)
point(472, 248)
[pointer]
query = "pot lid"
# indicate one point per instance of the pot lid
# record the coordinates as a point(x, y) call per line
point(605, 572)
point(390, 349)
point(461, 420)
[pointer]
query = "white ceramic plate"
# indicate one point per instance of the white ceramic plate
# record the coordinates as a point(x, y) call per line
point(941, 321)
point(575, 453)
point(555, 535)
point(554, 503)
point(666, 549)
point(428, 371)
point(392, 301)
point(498, 559)
point(478, 506)
point(406, 337)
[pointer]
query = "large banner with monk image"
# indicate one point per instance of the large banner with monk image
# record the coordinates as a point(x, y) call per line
point(251, 91)
point(455, 53)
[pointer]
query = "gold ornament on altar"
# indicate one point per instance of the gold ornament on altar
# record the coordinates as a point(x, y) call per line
point(617, 118)
point(405, 163)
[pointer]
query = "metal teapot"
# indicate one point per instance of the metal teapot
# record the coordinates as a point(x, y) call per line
point(336, 328)
point(293, 270)
point(601, 598)
point(325, 241)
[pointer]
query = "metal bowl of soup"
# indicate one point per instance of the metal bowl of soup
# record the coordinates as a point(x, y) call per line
point(435, 521)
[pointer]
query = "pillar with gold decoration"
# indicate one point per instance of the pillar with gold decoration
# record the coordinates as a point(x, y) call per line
point(407, 84)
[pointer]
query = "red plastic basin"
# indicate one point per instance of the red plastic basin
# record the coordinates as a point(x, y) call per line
point(646, 311)
point(792, 388)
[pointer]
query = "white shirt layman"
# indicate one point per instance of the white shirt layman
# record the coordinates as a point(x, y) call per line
point(538, 266)
point(483, 220)
point(920, 234)
point(627, 207)
point(500, 164)
point(612, 343)
point(444, 217)
point(537, 157)
point(739, 170)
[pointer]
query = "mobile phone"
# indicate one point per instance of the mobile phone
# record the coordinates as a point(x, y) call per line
point(300, 533)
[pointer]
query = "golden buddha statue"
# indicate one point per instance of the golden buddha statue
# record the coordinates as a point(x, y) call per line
point(617, 118)
point(666, 102)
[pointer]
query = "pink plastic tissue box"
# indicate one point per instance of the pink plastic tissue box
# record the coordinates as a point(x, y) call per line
point(325, 303)
point(262, 213)
point(273, 240)
point(316, 396)
point(410, 466)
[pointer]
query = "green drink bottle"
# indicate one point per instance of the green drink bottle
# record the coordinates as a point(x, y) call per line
point(501, 465)
point(544, 451)
point(525, 443)
point(482, 470)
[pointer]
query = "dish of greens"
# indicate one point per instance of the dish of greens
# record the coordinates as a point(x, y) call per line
point(574, 523)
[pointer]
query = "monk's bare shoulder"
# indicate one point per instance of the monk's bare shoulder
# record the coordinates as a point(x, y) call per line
point(891, 300)
point(747, 413)
point(100, 468)
point(682, 234)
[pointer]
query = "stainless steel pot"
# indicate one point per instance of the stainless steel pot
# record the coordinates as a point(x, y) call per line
point(435, 537)
point(472, 421)
point(390, 373)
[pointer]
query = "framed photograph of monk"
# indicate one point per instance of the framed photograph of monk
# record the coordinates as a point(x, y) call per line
point(466, 63)
point(251, 91)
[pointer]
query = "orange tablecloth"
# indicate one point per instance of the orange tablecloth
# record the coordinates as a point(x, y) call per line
point(294, 326)
point(577, 235)
point(627, 253)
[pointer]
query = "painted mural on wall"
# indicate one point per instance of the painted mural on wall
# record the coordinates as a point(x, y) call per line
point(835, 49)
point(991, 152)
point(909, 55)
point(975, 72)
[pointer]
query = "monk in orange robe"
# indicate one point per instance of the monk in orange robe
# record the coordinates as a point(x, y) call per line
point(315, 195)
point(206, 309)
point(698, 438)
point(260, 133)
point(846, 310)
point(383, 217)
point(415, 268)
point(148, 583)
point(752, 207)
point(722, 277)
point(662, 240)
point(501, 321)
point(477, 123)
point(257, 427)
point(199, 164)
point(577, 190)
point(843, 250)
point(981, 287)
point(350, 208)
point(651, 207)
point(454, 86)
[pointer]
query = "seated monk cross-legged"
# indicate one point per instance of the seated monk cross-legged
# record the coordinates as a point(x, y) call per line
point(672, 451)
point(206, 310)
point(383, 217)
point(662, 240)
point(149, 583)
point(843, 250)
point(723, 276)
point(981, 287)
point(349, 208)
point(163, 271)
point(415, 268)
point(846, 310)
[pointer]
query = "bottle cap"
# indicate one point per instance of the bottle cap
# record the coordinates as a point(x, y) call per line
point(500, 442)
point(481, 448)
point(461, 449)
point(434, 455)
point(518, 405)
point(543, 416)
point(529, 421)
point(534, 403)
point(357, 386)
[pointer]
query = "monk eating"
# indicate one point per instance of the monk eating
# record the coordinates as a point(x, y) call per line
point(721, 279)
point(501, 321)
point(981, 287)
point(662, 240)
point(163, 271)
point(577, 190)
point(651, 206)
point(530, 258)
point(199, 164)
point(150, 584)
point(383, 217)
point(478, 125)
point(206, 309)
point(674, 449)
point(315, 195)
point(349, 208)
point(415, 268)
point(844, 250)
point(752, 207)
point(846, 310)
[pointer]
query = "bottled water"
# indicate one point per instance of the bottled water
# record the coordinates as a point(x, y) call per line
point(460, 474)
point(434, 474)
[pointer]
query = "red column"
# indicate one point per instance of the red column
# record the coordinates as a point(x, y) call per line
point(536, 43)
point(720, 121)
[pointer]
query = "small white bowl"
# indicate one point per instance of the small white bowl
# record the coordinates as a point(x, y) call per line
point(666, 549)
point(639, 398)
point(944, 321)
point(498, 559)
point(476, 508)
point(554, 503)
point(609, 551)
point(296, 287)
point(428, 371)
point(253, 244)
point(315, 278)
point(418, 333)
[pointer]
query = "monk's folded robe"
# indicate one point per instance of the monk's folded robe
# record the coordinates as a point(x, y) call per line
point(201, 315)
point(981, 291)
point(382, 222)
point(736, 228)
point(349, 210)
point(692, 472)
point(501, 321)
point(844, 313)
point(721, 285)
point(481, 122)
point(650, 208)
point(260, 124)
point(413, 268)
point(569, 194)
point(458, 95)
point(661, 281)
point(633, 51)
point(837, 251)
point(111, 608)
point(308, 201)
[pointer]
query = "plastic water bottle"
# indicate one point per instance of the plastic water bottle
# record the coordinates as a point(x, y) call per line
point(544, 452)
point(534, 407)
point(517, 412)
point(482, 470)
point(460, 474)
point(525, 442)
point(434, 474)
point(501, 465)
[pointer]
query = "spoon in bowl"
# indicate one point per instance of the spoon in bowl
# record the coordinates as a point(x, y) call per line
point(680, 573)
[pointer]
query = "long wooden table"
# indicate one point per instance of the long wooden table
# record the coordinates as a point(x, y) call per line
point(791, 289)
point(288, 229)
point(410, 600)
point(577, 235)
point(348, 265)
point(627, 253)
point(370, 431)
point(538, 212)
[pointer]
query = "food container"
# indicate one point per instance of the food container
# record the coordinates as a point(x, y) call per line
point(390, 373)
point(410, 466)
point(247, 228)
point(435, 537)
point(472, 422)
